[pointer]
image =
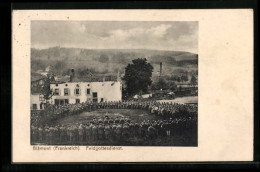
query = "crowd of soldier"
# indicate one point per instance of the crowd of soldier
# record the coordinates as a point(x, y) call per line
point(164, 109)
point(107, 129)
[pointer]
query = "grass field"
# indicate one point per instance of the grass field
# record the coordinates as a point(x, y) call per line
point(135, 115)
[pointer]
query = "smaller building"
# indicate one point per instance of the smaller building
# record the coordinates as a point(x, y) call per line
point(37, 101)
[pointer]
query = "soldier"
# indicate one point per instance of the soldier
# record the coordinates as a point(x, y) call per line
point(75, 133)
point(122, 121)
point(51, 135)
point(131, 129)
point(118, 132)
point(62, 134)
point(81, 133)
point(151, 132)
point(168, 129)
point(113, 131)
point(101, 132)
point(136, 130)
point(107, 132)
point(163, 128)
point(71, 134)
point(39, 134)
point(110, 121)
point(46, 131)
point(125, 131)
point(56, 134)
point(94, 132)
point(100, 121)
point(145, 129)
point(142, 129)
point(87, 132)
point(117, 120)
point(106, 120)
point(34, 132)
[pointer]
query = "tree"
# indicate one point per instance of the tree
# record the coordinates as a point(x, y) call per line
point(59, 67)
point(103, 58)
point(172, 86)
point(46, 91)
point(138, 76)
point(193, 80)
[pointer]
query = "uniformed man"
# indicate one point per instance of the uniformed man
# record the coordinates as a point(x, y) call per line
point(131, 129)
point(40, 133)
point(113, 131)
point(46, 131)
point(51, 135)
point(136, 130)
point(118, 132)
point(88, 133)
point(62, 134)
point(107, 131)
point(100, 132)
point(125, 132)
point(71, 134)
point(81, 133)
point(94, 132)
point(151, 132)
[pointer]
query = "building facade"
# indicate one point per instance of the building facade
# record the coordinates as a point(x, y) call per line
point(37, 101)
point(78, 92)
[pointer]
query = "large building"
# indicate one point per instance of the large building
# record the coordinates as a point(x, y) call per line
point(78, 92)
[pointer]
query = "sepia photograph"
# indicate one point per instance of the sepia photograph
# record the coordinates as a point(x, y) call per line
point(114, 83)
point(132, 85)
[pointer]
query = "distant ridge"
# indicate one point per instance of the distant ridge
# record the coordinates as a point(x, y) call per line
point(112, 60)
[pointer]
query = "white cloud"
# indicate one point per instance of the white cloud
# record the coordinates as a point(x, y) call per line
point(155, 35)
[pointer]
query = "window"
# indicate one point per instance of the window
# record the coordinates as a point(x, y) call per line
point(56, 102)
point(95, 98)
point(77, 100)
point(61, 102)
point(77, 91)
point(88, 91)
point(66, 91)
point(94, 94)
point(41, 106)
point(66, 101)
point(34, 106)
point(57, 91)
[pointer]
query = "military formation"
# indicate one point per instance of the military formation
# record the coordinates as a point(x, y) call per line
point(176, 119)
point(107, 129)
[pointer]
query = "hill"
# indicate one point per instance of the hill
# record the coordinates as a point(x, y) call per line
point(111, 60)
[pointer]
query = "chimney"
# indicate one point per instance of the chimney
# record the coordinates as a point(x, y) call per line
point(160, 69)
point(118, 76)
point(72, 75)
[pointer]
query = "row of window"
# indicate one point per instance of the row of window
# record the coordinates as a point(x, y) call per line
point(77, 91)
point(34, 106)
point(66, 101)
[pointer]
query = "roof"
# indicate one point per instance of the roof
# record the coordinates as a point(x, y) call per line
point(36, 77)
point(35, 90)
point(95, 78)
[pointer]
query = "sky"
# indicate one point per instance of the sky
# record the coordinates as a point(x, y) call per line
point(157, 35)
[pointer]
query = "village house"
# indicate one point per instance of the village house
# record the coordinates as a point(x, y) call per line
point(77, 91)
